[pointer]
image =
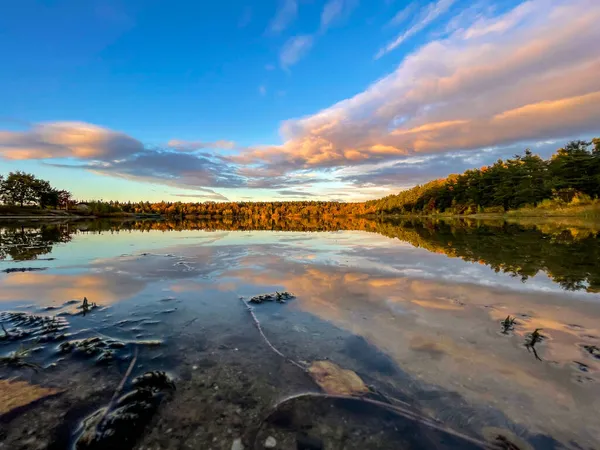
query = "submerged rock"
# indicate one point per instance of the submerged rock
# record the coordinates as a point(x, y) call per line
point(237, 444)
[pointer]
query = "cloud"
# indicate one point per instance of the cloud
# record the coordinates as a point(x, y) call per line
point(334, 10)
point(191, 146)
point(209, 195)
point(262, 90)
point(286, 14)
point(294, 49)
point(402, 16)
point(530, 74)
point(84, 146)
point(292, 193)
point(67, 139)
point(429, 14)
point(298, 47)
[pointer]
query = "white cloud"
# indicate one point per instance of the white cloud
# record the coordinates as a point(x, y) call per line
point(403, 15)
point(334, 10)
point(262, 90)
point(430, 13)
point(286, 14)
point(294, 49)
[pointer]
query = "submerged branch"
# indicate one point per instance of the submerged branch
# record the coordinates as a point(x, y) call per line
point(121, 385)
point(400, 411)
point(271, 346)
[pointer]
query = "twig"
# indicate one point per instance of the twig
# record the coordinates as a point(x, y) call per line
point(260, 330)
point(185, 325)
point(120, 387)
point(392, 408)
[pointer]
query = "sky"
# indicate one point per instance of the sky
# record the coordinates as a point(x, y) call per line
point(244, 100)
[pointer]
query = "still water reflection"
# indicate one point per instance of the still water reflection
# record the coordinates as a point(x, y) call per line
point(414, 308)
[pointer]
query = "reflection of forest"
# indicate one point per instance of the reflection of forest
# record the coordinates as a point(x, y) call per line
point(568, 255)
point(23, 243)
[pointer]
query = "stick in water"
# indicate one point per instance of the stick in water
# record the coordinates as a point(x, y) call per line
point(257, 323)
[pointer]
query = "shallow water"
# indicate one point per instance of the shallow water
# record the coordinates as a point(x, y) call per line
point(413, 308)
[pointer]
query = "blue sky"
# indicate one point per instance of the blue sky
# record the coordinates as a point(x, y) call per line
point(287, 99)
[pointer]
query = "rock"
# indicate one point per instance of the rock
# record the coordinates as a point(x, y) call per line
point(270, 442)
point(237, 444)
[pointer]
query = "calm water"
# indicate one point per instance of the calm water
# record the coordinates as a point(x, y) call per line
point(413, 308)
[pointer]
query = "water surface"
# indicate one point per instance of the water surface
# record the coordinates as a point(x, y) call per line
point(414, 308)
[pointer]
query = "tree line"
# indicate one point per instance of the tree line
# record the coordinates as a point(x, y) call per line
point(262, 210)
point(24, 189)
point(571, 173)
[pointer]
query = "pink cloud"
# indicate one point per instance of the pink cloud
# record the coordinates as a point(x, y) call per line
point(529, 74)
point(67, 139)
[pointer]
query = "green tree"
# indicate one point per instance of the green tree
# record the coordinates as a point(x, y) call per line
point(45, 194)
point(64, 199)
point(19, 189)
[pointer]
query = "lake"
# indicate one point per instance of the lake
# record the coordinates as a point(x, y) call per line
point(422, 334)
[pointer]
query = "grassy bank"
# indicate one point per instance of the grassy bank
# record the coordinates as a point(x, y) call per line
point(589, 210)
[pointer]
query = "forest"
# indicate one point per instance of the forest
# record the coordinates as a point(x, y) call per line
point(570, 176)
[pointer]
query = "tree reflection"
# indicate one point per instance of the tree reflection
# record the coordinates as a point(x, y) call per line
point(22, 243)
point(568, 255)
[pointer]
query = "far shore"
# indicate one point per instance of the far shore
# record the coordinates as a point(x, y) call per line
point(589, 213)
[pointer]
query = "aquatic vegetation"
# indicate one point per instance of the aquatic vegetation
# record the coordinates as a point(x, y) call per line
point(508, 324)
point(592, 350)
point(279, 297)
point(86, 306)
point(121, 423)
point(103, 348)
point(22, 269)
point(532, 340)
point(25, 325)
point(16, 359)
